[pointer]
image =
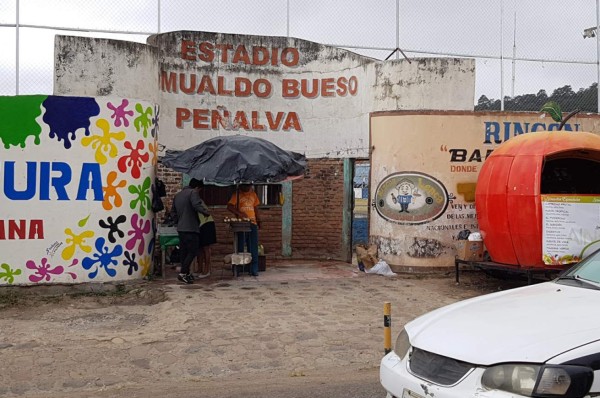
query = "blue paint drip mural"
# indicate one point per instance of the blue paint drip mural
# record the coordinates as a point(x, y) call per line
point(76, 179)
point(66, 115)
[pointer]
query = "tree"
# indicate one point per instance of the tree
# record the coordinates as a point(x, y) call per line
point(585, 100)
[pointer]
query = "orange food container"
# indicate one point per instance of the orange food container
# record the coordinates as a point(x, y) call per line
point(507, 196)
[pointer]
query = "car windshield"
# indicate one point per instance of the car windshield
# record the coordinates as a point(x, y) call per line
point(584, 274)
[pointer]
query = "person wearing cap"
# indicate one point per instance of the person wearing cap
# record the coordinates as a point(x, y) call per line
point(184, 212)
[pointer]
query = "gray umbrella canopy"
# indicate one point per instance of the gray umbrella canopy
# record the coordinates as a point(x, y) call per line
point(237, 159)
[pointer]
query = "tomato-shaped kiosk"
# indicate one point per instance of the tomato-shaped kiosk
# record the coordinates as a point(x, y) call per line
point(507, 196)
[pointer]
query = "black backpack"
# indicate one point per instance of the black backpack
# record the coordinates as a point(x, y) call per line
point(161, 189)
point(158, 191)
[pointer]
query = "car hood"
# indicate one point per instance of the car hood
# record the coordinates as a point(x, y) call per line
point(528, 324)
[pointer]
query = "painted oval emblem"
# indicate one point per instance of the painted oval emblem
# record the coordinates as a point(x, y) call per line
point(411, 198)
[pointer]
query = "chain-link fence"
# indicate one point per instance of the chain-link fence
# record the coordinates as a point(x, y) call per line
point(526, 52)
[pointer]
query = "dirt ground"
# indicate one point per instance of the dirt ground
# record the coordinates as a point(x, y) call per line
point(141, 339)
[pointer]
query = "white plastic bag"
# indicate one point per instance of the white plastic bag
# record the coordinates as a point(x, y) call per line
point(474, 236)
point(241, 258)
point(381, 268)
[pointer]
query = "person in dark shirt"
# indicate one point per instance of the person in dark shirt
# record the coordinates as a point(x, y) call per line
point(184, 212)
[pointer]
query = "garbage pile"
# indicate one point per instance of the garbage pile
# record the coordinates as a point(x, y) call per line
point(369, 263)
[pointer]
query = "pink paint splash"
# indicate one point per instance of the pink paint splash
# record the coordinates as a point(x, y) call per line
point(139, 230)
point(44, 271)
point(120, 113)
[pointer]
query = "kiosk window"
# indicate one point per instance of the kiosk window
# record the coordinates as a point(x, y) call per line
point(219, 196)
point(571, 176)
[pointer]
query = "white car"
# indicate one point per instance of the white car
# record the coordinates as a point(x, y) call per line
point(541, 340)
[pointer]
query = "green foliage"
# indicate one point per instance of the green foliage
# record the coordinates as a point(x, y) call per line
point(585, 100)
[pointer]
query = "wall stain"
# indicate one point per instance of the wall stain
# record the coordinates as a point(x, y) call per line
point(387, 246)
point(425, 248)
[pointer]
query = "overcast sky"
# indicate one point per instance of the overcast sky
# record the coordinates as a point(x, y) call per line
point(549, 30)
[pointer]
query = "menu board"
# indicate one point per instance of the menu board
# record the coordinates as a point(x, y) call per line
point(571, 227)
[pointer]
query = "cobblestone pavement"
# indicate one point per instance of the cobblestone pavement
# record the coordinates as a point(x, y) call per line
point(294, 319)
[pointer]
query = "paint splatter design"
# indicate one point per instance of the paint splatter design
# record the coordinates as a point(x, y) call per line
point(74, 241)
point(17, 119)
point(145, 265)
point(53, 151)
point(8, 274)
point(44, 271)
point(103, 258)
point(130, 263)
point(144, 121)
point(103, 143)
point(113, 227)
point(111, 192)
point(155, 119)
point(153, 148)
point(142, 193)
point(153, 239)
point(120, 113)
point(140, 228)
point(66, 115)
point(81, 223)
point(134, 160)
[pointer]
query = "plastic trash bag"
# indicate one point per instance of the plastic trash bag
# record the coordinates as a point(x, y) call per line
point(381, 268)
point(475, 236)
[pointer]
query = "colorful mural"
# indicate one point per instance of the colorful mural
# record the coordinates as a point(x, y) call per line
point(410, 198)
point(76, 180)
point(424, 171)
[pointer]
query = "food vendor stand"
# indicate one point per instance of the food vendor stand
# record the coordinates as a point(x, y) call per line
point(233, 160)
point(169, 238)
point(537, 202)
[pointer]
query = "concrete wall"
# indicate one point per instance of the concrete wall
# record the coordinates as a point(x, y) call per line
point(424, 83)
point(440, 155)
point(100, 67)
point(196, 75)
point(76, 176)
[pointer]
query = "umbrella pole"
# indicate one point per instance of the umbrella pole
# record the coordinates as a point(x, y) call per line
point(237, 199)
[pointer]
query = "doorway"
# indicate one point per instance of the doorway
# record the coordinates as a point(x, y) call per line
point(360, 208)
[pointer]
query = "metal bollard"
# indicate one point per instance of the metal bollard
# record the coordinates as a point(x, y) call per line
point(387, 327)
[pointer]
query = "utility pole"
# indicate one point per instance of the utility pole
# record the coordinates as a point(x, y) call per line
point(514, 55)
point(593, 32)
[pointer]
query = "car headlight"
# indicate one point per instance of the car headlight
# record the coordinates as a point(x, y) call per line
point(402, 344)
point(534, 380)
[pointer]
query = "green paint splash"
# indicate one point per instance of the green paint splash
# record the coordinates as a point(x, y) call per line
point(17, 119)
point(83, 221)
point(9, 274)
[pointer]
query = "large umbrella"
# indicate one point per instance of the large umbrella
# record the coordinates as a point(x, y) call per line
point(237, 159)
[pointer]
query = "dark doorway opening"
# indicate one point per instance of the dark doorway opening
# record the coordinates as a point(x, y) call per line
point(360, 210)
